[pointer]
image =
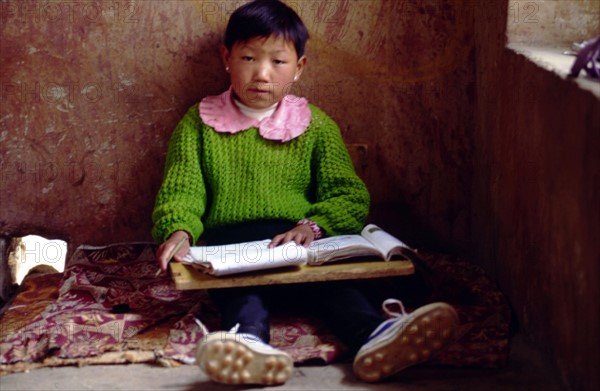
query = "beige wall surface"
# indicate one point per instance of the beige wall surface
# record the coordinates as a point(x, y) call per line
point(552, 22)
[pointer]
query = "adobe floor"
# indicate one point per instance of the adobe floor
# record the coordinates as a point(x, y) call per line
point(525, 372)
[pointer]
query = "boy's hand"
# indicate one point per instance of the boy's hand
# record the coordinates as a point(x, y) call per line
point(164, 250)
point(301, 234)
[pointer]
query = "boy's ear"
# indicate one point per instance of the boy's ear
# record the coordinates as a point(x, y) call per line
point(225, 56)
point(300, 67)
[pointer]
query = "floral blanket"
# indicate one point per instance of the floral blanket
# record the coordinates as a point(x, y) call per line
point(108, 307)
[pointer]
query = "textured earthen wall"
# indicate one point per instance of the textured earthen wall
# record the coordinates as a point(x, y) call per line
point(91, 91)
point(536, 204)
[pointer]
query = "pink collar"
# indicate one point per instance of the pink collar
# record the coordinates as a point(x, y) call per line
point(290, 119)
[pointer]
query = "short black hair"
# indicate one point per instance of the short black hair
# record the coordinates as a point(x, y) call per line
point(263, 18)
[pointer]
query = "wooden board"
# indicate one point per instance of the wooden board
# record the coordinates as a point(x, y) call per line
point(186, 277)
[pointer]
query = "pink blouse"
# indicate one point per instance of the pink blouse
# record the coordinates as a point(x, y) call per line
point(290, 119)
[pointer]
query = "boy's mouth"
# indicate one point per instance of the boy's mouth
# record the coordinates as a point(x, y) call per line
point(258, 90)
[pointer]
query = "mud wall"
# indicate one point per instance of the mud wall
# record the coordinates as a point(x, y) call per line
point(536, 190)
point(91, 91)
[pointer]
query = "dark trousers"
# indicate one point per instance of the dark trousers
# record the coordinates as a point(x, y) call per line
point(343, 307)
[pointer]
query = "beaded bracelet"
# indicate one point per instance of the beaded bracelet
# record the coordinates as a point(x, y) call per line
point(313, 227)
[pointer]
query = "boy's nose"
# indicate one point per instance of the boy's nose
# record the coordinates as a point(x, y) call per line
point(261, 73)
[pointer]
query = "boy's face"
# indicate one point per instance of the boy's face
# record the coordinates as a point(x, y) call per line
point(262, 70)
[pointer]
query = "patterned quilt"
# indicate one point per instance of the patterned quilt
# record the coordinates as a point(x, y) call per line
point(108, 307)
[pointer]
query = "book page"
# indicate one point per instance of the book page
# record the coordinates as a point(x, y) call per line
point(389, 245)
point(245, 257)
point(340, 247)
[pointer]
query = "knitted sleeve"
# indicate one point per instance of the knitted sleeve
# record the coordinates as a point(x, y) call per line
point(181, 200)
point(342, 199)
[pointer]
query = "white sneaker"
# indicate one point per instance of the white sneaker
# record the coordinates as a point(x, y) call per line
point(239, 358)
point(405, 340)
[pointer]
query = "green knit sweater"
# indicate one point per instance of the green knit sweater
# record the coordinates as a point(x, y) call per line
point(215, 179)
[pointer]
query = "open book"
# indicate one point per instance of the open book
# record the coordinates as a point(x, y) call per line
point(252, 256)
point(372, 242)
point(245, 257)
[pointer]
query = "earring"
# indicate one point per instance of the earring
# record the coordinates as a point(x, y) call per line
point(295, 77)
point(226, 69)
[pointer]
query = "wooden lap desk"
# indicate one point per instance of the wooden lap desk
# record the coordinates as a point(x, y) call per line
point(186, 277)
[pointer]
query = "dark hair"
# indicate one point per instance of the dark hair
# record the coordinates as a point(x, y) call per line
point(263, 18)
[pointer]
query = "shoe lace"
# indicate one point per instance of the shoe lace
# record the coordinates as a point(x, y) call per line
point(205, 331)
point(388, 304)
point(202, 326)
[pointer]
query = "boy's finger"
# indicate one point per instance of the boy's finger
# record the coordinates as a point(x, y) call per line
point(160, 255)
point(181, 253)
point(275, 241)
point(299, 239)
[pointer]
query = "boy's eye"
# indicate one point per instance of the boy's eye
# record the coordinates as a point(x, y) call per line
point(247, 58)
point(279, 62)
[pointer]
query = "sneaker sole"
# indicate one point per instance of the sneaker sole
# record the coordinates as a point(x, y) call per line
point(229, 361)
point(431, 328)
